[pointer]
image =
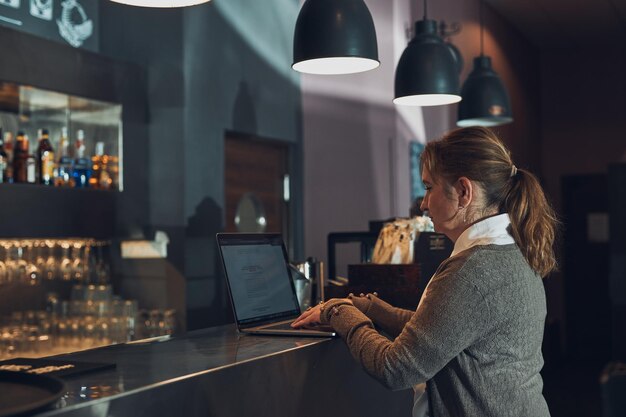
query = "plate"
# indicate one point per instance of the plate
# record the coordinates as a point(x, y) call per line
point(23, 393)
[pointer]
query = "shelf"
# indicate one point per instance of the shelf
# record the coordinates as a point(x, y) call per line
point(31, 210)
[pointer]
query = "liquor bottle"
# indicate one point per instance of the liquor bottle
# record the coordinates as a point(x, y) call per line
point(20, 155)
point(114, 171)
point(96, 165)
point(101, 177)
point(31, 168)
point(82, 171)
point(8, 148)
point(106, 177)
point(45, 159)
point(65, 163)
point(4, 160)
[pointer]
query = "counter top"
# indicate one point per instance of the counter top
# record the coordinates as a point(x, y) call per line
point(211, 372)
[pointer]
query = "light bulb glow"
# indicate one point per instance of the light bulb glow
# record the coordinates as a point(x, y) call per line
point(161, 3)
point(335, 65)
point(484, 121)
point(425, 100)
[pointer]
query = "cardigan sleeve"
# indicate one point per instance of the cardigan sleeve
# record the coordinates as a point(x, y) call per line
point(450, 317)
point(391, 320)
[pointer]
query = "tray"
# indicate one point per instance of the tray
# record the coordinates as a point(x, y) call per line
point(53, 367)
point(22, 393)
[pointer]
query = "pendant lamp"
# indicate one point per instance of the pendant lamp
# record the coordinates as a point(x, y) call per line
point(485, 100)
point(334, 37)
point(447, 30)
point(161, 3)
point(458, 57)
point(427, 73)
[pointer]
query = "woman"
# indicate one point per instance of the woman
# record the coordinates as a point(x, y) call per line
point(475, 338)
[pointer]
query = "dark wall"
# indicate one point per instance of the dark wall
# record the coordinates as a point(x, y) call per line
point(583, 106)
point(204, 77)
point(152, 39)
point(582, 128)
point(617, 266)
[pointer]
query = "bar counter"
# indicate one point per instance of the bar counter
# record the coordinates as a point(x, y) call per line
point(219, 372)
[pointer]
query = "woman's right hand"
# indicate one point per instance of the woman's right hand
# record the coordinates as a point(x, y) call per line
point(311, 317)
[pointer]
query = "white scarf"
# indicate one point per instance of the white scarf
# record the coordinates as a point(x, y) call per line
point(490, 231)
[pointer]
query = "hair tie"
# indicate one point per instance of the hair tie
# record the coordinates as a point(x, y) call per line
point(513, 170)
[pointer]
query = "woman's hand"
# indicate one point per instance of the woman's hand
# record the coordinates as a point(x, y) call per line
point(310, 317)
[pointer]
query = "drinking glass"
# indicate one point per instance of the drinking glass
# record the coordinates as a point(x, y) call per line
point(89, 336)
point(129, 318)
point(78, 263)
point(102, 270)
point(16, 341)
point(32, 275)
point(103, 336)
point(65, 266)
point(75, 332)
point(40, 259)
point(143, 324)
point(15, 262)
point(3, 273)
point(6, 343)
point(50, 268)
point(169, 322)
point(63, 333)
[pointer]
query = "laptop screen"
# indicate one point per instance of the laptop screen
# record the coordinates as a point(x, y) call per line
point(258, 277)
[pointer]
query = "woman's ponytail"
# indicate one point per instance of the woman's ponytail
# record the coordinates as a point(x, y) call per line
point(533, 221)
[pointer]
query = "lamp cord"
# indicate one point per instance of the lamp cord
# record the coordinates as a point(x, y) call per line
point(425, 9)
point(480, 17)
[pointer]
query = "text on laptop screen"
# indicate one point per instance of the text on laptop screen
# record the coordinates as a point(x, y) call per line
point(259, 281)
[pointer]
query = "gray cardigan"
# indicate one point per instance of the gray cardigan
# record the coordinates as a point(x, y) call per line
point(475, 337)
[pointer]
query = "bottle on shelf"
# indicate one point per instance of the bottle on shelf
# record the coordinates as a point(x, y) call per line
point(20, 156)
point(114, 171)
point(8, 148)
point(82, 170)
point(45, 159)
point(31, 167)
point(106, 176)
point(101, 177)
point(65, 163)
point(4, 160)
point(96, 165)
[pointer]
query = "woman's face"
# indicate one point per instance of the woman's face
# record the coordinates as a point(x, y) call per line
point(442, 203)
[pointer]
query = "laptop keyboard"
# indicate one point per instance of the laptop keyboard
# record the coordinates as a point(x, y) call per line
point(280, 326)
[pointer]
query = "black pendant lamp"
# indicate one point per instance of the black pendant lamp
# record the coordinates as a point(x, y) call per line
point(427, 73)
point(334, 37)
point(485, 100)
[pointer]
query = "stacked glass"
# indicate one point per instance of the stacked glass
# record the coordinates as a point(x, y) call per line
point(92, 317)
point(31, 261)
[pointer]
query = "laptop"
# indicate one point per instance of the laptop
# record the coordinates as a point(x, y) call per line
point(261, 290)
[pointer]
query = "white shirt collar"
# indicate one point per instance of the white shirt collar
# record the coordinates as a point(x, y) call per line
point(490, 231)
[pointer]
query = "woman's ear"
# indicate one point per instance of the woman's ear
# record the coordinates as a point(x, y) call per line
point(465, 191)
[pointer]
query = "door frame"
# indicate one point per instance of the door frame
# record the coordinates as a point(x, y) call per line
point(294, 239)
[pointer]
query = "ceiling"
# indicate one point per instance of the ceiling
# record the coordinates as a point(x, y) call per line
point(551, 24)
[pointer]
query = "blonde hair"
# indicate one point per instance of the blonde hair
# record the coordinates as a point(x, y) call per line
point(478, 154)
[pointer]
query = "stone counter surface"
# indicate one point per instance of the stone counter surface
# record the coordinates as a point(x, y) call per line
point(219, 372)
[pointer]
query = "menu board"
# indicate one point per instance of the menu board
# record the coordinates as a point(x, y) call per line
point(73, 22)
